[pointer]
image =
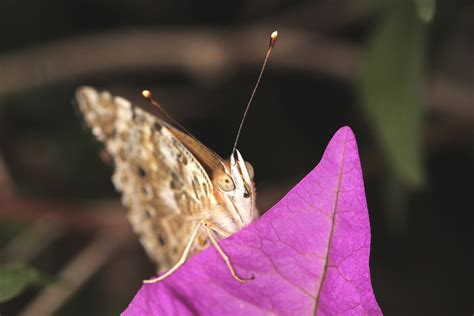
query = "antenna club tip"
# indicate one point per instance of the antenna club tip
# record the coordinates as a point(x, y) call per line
point(273, 39)
point(146, 93)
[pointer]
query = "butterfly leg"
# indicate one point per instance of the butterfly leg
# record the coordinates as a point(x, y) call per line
point(217, 229)
point(181, 260)
point(210, 228)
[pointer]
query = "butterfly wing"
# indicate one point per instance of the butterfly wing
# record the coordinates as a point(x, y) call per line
point(163, 185)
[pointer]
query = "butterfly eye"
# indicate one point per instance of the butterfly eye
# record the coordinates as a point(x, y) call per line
point(225, 183)
point(249, 169)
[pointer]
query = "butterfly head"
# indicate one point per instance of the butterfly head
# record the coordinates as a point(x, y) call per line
point(236, 189)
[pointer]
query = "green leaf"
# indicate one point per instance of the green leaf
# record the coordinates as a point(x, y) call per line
point(426, 9)
point(15, 278)
point(391, 86)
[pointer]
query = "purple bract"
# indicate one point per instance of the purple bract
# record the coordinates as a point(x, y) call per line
point(309, 254)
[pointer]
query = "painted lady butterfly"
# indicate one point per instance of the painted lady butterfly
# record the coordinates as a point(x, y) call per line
point(181, 196)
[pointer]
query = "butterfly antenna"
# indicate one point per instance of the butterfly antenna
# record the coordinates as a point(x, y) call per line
point(149, 96)
point(273, 39)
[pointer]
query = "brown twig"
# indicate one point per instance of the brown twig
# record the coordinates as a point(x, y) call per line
point(6, 182)
point(456, 97)
point(204, 54)
point(85, 216)
point(26, 245)
point(325, 15)
point(87, 262)
point(92, 216)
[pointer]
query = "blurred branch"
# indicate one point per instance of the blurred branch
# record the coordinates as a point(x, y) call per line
point(449, 96)
point(203, 54)
point(6, 182)
point(87, 262)
point(31, 241)
point(323, 15)
point(92, 216)
point(200, 52)
point(107, 214)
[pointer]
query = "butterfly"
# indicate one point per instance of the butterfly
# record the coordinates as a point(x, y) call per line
point(181, 196)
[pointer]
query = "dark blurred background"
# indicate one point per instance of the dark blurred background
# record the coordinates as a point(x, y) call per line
point(399, 73)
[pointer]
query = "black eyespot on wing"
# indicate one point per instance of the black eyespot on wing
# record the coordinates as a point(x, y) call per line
point(141, 172)
point(246, 195)
point(157, 126)
point(146, 192)
point(148, 214)
point(176, 183)
point(161, 240)
point(195, 184)
point(204, 185)
point(182, 158)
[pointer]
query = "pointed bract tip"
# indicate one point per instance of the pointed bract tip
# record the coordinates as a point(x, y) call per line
point(346, 130)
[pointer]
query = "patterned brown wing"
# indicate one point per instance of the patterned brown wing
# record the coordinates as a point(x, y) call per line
point(163, 185)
